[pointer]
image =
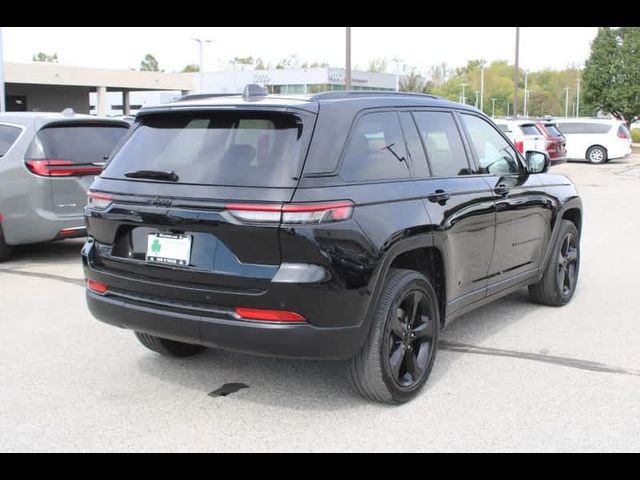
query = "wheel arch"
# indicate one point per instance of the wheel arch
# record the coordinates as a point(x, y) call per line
point(419, 254)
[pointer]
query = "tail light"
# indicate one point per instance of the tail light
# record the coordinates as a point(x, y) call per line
point(99, 201)
point(313, 213)
point(622, 133)
point(61, 168)
point(97, 287)
point(269, 315)
point(520, 147)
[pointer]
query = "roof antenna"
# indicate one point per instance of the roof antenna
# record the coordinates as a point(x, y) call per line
point(252, 91)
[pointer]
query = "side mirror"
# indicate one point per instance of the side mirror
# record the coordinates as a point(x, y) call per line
point(538, 162)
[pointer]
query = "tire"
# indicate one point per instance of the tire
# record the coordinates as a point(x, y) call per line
point(5, 250)
point(168, 348)
point(558, 284)
point(597, 155)
point(390, 341)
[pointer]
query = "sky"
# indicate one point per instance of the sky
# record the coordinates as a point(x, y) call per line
point(421, 47)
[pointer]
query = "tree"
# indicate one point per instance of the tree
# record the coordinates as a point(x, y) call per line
point(149, 64)
point(611, 76)
point(414, 82)
point(43, 57)
point(290, 62)
point(378, 65)
point(191, 68)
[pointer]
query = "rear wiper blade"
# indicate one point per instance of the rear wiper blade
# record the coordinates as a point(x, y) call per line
point(154, 175)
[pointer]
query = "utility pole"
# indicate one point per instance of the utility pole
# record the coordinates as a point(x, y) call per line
point(201, 42)
point(516, 74)
point(482, 87)
point(347, 77)
point(566, 102)
point(578, 98)
point(3, 107)
point(493, 107)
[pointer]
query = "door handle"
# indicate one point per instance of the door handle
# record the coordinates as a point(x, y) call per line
point(502, 190)
point(439, 196)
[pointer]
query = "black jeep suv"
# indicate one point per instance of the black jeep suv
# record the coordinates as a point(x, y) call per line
point(343, 225)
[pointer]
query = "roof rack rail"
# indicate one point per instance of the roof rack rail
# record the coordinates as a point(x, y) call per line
point(370, 93)
point(202, 96)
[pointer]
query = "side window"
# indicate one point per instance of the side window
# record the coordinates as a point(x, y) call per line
point(495, 155)
point(8, 135)
point(414, 146)
point(442, 141)
point(376, 150)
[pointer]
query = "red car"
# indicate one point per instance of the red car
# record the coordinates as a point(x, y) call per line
point(555, 142)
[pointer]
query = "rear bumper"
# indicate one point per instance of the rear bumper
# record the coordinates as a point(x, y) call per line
point(274, 340)
point(41, 226)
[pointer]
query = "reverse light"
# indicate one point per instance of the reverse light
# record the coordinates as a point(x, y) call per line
point(97, 287)
point(292, 213)
point(99, 201)
point(269, 315)
point(60, 168)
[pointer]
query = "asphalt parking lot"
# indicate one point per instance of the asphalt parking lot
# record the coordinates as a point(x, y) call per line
point(511, 376)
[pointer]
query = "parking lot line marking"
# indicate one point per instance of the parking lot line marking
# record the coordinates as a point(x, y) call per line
point(537, 357)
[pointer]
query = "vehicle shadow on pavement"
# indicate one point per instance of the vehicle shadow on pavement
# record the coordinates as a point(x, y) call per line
point(63, 251)
point(321, 386)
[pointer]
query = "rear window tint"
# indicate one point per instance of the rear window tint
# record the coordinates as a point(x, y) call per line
point(376, 150)
point(80, 143)
point(8, 136)
point(553, 130)
point(263, 149)
point(530, 130)
point(584, 128)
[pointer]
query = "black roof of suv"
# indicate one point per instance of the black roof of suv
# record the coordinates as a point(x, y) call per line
point(342, 225)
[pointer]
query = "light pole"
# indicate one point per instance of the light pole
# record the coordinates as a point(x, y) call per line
point(482, 87)
point(464, 97)
point(201, 42)
point(347, 78)
point(477, 98)
point(493, 107)
point(578, 98)
point(397, 61)
point(516, 75)
point(526, 94)
point(566, 102)
point(2, 97)
point(508, 105)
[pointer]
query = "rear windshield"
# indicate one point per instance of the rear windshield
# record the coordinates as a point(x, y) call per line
point(553, 130)
point(8, 135)
point(230, 148)
point(78, 142)
point(529, 130)
point(504, 128)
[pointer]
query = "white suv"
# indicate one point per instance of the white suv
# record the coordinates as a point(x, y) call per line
point(524, 134)
point(596, 140)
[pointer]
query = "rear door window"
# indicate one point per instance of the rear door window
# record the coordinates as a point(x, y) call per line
point(262, 149)
point(80, 143)
point(553, 130)
point(443, 143)
point(584, 128)
point(8, 135)
point(376, 150)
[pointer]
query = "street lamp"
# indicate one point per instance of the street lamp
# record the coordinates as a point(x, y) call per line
point(578, 98)
point(516, 75)
point(347, 78)
point(526, 94)
point(493, 107)
point(463, 99)
point(482, 65)
point(477, 92)
point(566, 102)
point(201, 42)
point(2, 97)
point(397, 62)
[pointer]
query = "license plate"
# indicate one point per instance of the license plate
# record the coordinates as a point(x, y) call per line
point(169, 249)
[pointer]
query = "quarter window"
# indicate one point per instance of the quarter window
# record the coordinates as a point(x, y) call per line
point(8, 135)
point(376, 150)
point(495, 155)
point(442, 141)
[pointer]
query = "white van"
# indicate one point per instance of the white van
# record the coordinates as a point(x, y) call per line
point(596, 140)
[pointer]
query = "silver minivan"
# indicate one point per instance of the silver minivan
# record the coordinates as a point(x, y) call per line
point(47, 163)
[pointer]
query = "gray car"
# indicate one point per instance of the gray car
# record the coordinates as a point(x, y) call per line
point(47, 163)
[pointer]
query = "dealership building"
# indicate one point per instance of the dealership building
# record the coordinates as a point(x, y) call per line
point(53, 87)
